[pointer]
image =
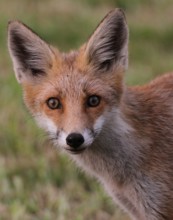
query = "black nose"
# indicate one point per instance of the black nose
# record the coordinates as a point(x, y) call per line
point(74, 140)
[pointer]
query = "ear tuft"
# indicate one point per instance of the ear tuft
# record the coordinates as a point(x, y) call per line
point(108, 46)
point(31, 56)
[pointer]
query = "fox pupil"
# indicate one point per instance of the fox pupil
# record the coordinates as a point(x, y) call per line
point(53, 103)
point(93, 101)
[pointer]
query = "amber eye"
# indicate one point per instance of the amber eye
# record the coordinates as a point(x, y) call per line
point(93, 101)
point(53, 103)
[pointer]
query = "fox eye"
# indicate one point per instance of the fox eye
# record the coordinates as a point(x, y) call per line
point(53, 103)
point(93, 101)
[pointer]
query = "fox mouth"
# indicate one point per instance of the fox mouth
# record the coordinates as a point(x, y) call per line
point(76, 151)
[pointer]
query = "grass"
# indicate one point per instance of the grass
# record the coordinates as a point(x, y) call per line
point(36, 183)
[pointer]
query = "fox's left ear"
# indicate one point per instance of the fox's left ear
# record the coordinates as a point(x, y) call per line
point(32, 57)
point(108, 46)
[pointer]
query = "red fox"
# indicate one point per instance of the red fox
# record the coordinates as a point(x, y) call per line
point(121, 135)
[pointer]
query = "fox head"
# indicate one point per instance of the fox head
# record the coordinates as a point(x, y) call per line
point(71, 95)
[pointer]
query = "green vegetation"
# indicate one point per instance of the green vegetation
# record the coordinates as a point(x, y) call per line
point(36, 182)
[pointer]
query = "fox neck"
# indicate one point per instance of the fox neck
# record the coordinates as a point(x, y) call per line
point(116, 154)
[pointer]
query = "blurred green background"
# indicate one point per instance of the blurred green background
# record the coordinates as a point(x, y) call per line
point(36, 183)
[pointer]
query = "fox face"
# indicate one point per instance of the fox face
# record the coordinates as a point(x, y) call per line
point(66, 114)
point(71, 95)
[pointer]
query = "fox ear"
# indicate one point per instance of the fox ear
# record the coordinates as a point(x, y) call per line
point(108, 46)
point(31, 56)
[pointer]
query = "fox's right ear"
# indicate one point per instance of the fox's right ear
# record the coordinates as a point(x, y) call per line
point(31, 56)
point(108, 45)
